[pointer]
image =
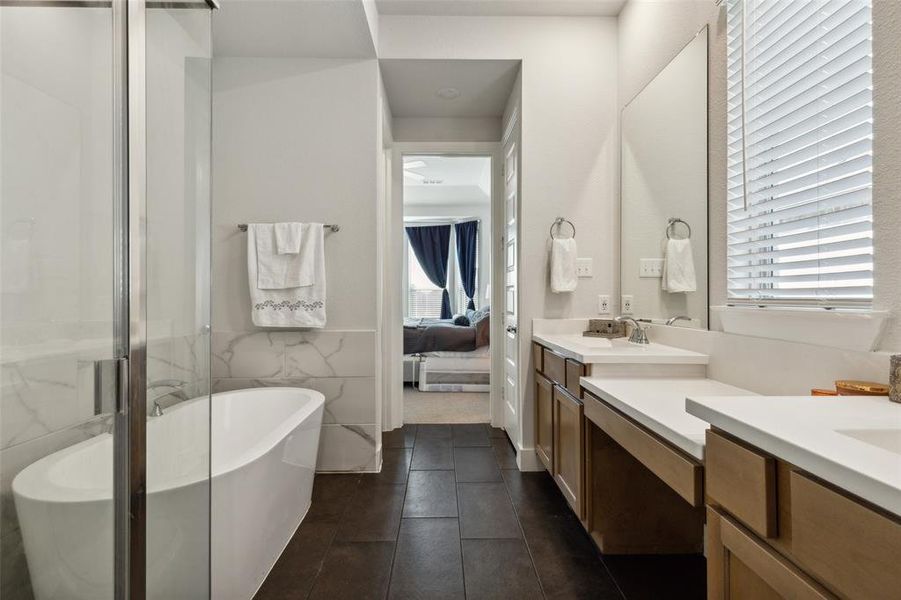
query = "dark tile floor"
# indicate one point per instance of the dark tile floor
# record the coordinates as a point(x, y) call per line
point(450, 516)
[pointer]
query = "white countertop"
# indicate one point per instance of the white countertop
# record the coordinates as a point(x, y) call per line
point(853, 442)
point(659, 405)
point(595, 350)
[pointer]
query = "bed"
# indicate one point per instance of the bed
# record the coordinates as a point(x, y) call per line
point(441, 356)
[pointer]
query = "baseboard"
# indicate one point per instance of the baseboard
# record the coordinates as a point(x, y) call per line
point(527, 460)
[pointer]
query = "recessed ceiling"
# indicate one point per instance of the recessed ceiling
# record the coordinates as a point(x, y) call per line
point(447, 179)
point(415, 87)
point(485, 8)
point(292, 28)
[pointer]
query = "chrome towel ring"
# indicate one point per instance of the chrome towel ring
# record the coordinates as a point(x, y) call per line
point(560, 221)
point(671, 227)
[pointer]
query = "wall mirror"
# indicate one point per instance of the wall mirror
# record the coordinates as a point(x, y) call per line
point(664, 192)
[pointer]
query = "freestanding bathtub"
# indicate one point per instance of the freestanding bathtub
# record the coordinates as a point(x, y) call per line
point(229, 481)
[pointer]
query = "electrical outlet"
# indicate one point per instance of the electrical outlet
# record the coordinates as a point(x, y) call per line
point(627, 304)
point(603, 304)
point(584, 267)
point(650, 267)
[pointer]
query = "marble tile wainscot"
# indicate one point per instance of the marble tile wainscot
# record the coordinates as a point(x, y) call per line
point(340, 364)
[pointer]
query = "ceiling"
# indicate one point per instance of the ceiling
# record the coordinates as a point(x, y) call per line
point(483, 8)
point(412, 85)
point(448, 180)
point(293, 28)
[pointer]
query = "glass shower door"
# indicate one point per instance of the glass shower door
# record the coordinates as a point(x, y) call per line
point(60, 296)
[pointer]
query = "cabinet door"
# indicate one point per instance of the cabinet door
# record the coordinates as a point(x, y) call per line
point(569, 448)
point(741, 566)
point(544, 421)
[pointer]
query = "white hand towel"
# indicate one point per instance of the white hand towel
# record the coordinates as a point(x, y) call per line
point(287, 237)
point(277, 271)
point(679, 267)
point(563, 265)
point(302, 306)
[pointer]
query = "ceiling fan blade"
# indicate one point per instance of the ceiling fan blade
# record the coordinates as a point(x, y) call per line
point(414, 164)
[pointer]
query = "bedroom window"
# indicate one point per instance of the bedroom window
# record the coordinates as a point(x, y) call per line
point(800, 152)
point(423, 296)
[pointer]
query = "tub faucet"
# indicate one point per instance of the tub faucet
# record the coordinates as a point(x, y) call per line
point(638, 335)
point(177, 392)
point(672, 320)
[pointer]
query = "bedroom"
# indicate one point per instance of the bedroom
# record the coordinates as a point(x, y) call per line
point(446, 288)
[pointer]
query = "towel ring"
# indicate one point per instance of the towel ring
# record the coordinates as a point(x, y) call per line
point(560, 221)
point(671, 226)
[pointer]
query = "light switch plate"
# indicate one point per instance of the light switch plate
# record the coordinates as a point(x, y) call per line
point(584, 267)
point(627, 304)
point(650, 267)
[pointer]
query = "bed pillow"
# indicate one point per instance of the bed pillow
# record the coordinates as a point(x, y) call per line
point(482, 325)
point(461, 320)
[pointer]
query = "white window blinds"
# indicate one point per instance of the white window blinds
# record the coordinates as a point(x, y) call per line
point(800, 133)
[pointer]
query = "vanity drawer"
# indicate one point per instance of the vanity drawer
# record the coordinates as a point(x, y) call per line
point(743, 482)
point(538, 357)
point(851, 548)
point(574, 372)
point(683, 475)
point(554, 366)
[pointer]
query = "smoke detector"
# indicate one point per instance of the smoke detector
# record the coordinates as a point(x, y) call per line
point(448, 93)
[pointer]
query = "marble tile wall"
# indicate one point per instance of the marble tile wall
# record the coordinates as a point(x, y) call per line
point(340, 364)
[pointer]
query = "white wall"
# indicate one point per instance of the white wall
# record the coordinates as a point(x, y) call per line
point(570, 140)
point(447, 129)
point(296, 139)
point(651, 33)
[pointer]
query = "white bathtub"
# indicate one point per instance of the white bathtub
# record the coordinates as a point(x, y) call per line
point(263, 444)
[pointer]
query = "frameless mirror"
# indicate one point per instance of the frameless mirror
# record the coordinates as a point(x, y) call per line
point(664, 192)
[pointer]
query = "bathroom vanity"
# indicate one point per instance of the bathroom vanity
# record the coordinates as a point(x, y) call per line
point(803, 497)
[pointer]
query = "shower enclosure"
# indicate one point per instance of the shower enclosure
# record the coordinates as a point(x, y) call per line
point(105, 127)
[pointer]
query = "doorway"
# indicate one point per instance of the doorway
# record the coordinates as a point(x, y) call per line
point(446, 285)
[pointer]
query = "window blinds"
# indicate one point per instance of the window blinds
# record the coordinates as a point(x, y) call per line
point(800, 151)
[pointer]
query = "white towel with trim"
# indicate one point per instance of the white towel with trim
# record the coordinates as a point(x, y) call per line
point(276, 270)
point(563, 265)
point(679, 267)
point(287, 237)
point(300, 306)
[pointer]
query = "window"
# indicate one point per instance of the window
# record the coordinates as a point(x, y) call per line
point(423, 296)
point(800, 132)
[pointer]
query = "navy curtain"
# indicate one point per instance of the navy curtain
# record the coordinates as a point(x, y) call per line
point(467, 244)
point(431, 245)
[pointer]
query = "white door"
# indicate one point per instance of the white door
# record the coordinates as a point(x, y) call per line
point(511, 299)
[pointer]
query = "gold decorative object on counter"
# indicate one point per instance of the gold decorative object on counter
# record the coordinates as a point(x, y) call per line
point(851, 387)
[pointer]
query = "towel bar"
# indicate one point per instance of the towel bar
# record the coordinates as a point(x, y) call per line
point(332, 226)
point(671, 225)
point(560, 221)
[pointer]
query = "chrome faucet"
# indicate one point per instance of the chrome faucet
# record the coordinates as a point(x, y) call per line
point(177, 392)
point(672, 320)
point(638, 335)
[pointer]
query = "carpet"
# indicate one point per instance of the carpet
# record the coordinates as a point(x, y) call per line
point(445, 407)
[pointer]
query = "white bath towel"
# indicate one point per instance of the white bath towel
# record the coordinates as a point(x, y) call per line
point(287, 237)
point(563, 265)
point(275, 270)
point(679, 267)
point(301, 306)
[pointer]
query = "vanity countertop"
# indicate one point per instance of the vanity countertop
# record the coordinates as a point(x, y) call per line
point(597, 350)
point(853, 442)
point(659, 405)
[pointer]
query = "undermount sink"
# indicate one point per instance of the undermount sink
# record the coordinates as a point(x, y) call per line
point(887, 439)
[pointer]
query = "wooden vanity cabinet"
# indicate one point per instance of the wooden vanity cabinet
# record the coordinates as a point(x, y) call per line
point(569, 448)
point(544, 420)
point(774, 531)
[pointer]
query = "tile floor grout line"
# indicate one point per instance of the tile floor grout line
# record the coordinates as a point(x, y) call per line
point(331, 542)
point(400, 522)
point(459, 523)
point(522, 530)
